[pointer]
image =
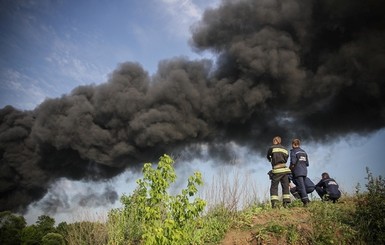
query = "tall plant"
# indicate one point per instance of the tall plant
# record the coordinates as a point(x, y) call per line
point(150, 215)
point(370, 210)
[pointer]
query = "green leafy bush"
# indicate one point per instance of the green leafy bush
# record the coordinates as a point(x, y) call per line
point(11, 226)
point(152, 216)
point(53, 239)
point(332, 223)
point(30, 235)
point(370, 211)
point(33, 234)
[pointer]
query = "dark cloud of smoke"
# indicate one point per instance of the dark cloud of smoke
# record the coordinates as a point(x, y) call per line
point(308, 69)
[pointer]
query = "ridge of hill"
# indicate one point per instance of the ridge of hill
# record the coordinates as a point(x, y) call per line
point(320, 222)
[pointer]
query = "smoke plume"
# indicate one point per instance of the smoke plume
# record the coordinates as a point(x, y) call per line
point(309, 69)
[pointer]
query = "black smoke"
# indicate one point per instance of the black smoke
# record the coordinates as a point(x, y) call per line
point(308, 69)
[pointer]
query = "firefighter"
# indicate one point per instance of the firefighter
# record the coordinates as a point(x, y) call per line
point(277, 156)
point(298, 165)
point(328, 189)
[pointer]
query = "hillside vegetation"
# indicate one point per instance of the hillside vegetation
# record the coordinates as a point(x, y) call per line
point(151, 215)
point(319, 223)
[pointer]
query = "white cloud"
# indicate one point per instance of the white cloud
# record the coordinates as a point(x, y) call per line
point(24, 90)
point(182, 14)
point(65, 58)
point(183, 7)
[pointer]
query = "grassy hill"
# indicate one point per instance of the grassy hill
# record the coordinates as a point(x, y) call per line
point(319, 223)
point(355, 219)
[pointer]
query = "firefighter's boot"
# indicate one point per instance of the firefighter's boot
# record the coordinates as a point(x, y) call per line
point(274, 204)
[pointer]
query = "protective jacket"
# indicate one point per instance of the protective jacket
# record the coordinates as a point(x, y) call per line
point(330, 187)
point(278, 156)
point(298, 162)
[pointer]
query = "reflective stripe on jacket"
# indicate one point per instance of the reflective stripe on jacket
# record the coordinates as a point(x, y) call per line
point(284, 170)
point(277, 154)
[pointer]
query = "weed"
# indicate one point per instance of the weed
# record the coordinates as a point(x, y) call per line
point(331, 223)
point(215, 224)
point(370, 211)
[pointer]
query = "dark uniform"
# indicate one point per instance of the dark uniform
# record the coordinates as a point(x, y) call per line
point(298, 164)
point(309, 186)
point(328, 189)
point(278, 155)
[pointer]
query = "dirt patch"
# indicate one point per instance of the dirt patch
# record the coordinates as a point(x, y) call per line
point(238, 237)
point(263, 224)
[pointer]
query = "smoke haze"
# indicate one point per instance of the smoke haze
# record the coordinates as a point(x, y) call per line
point(308, 69)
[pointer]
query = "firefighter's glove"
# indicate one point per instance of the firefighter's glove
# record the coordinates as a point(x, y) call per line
point(270, 173)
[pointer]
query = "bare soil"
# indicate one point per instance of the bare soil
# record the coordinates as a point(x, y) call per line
point(296, 217)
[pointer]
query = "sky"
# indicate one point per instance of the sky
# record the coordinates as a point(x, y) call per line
point(91, 90)
point(51, 47)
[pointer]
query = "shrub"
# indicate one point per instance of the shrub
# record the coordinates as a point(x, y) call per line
point(370, 211)
point(85, 232)
point(11, 227)
point(30, 235)
point(53, 239)
point(151, 215)
point(34, 234)
point(332, 223)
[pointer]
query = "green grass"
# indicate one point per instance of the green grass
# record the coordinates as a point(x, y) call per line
point(354, 219)
point(319, 223)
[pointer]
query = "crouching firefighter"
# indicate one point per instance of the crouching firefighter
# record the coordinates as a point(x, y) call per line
point(278, 156)
point(327, 188)
point(309, 186)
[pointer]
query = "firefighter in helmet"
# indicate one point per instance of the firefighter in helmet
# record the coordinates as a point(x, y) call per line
point(278, 155)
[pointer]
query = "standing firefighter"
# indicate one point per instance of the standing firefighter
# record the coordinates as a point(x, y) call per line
point(278, 155)
point(298, 165)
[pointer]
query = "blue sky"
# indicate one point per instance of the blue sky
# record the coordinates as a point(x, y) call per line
point(49, 48)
